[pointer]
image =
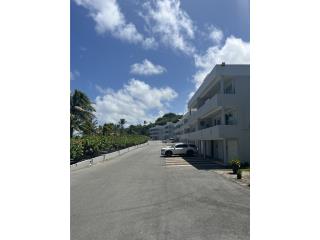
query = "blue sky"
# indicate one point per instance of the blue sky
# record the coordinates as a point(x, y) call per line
point(139, 59)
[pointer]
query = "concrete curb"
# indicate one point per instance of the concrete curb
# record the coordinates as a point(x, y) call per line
point(104, 157)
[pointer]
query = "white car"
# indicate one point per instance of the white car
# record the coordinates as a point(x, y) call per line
point(179, 149)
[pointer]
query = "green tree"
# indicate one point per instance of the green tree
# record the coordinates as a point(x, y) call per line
point(89, 127)
point(108, 129)
point(81, 112)
point(168, 117)
point(121, 124)
point(131, 130)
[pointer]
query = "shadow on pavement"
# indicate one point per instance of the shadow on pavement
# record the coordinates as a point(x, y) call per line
point(198, 162)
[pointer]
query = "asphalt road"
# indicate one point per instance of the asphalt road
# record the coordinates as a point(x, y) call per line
point(135, 197)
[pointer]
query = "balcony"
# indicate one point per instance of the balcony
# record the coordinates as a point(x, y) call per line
point(212, 104)
point(217, 74)
point(212, 133)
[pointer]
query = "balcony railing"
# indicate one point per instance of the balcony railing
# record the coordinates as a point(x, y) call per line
point(213, 103)
point(215, 132)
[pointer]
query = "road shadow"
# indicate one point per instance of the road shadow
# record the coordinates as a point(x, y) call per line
point(198, 162)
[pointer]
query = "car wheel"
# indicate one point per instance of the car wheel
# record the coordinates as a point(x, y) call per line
point(190, 153)
point(168, 153)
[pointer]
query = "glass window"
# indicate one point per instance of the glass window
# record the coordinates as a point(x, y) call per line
point(229, 89)
point(217, 121)
point(230, 119)
point(181, 146)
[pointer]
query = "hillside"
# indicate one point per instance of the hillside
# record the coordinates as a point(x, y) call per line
point(168, 117)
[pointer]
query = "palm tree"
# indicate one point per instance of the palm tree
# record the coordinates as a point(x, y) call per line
point(121, 123)
point(81, 111)
point(89, 127)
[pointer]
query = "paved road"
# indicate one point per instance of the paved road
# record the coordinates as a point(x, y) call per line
point(135, 197)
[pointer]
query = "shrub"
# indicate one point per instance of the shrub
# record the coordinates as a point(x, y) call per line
point(76, 149)
point(91, 146)
point(235, 164)
point(239, 174)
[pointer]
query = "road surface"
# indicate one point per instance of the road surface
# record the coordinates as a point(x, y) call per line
point(137, 196)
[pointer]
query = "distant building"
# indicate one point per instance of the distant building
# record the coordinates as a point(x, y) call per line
point(156, 132)
point(218, 120)
point(162, 132)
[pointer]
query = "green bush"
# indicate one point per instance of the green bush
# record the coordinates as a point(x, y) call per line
point(235, 164)
point(92, 146)
point(239, 174)
point(76, 149)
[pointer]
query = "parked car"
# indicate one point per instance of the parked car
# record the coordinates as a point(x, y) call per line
point(179, 149)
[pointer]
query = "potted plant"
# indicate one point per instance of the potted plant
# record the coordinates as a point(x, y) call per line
point(235, 164)
point(239, 174)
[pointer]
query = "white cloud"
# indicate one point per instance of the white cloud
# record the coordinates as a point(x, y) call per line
point(75, 74)
point(234, 51)
point(100, 89)
point(109, 18)
point(135, 102)
point(150, 43)
point(170, 23)
point(146, 68)
point(215, 34)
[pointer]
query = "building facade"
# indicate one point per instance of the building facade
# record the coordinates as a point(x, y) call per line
point(162, 132)
point(218, 120)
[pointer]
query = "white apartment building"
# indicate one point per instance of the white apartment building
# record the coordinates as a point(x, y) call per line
point(218, 121)
point(162, 132)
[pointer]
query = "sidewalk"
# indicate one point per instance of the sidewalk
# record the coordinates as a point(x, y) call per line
point(227, 173)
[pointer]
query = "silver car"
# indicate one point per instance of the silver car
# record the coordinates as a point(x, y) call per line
point(179, 149)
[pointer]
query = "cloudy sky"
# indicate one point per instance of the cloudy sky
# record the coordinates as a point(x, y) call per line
point(140, 59)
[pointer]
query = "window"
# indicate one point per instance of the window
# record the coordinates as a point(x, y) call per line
point(229, 89)
point(181, 146)
point(217, 121)
point(230, 119)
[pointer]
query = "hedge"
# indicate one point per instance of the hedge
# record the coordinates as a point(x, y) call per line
point(92, 146)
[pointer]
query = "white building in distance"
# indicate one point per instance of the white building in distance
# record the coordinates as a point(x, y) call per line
point(162, 132)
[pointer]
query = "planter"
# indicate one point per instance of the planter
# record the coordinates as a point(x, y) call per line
point(235, 169)
point(239, 174)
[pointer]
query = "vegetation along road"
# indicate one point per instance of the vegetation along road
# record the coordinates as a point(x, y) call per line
point(136, 196)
